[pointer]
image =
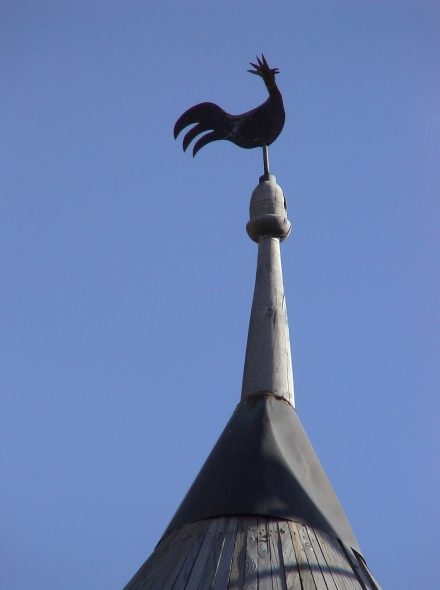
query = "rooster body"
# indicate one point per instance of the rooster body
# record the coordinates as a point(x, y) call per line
point(257, 128)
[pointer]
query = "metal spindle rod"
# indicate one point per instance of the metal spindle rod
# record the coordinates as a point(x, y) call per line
point(266, 159)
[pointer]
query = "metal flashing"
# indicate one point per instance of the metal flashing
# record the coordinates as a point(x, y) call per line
point(264, 464)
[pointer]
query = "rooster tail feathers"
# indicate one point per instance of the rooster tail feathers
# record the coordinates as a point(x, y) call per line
point(206, 114)
point(207, 138)
point(193, 133)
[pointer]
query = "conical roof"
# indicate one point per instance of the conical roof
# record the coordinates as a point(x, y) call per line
point(261, 514)
point(264, 464)
point(250, 552)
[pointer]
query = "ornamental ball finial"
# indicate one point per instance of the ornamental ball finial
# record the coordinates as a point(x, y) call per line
point(268, 211)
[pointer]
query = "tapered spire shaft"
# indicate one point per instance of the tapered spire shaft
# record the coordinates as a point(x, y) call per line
point(268, 363)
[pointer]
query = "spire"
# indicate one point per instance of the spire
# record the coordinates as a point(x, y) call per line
point(268, 363)
point(263, 463)
point(261, 513)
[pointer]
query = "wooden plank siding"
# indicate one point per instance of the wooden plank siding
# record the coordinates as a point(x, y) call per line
point(252, 553)
point(238, 558)
point(263, 556)
point(301, 558)
point(311, 558)
point(320, 561)
point(224, 565)
point(341, 578)
point(360, 567)
point(288, 558)
point(277, 569)
point(250, 579)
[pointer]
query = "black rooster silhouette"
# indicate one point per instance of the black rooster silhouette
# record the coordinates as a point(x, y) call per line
point(257, 128)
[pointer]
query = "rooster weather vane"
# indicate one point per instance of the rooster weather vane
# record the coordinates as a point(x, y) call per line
point(257, 128)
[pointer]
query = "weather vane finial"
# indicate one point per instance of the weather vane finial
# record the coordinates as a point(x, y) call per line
point(257, 128)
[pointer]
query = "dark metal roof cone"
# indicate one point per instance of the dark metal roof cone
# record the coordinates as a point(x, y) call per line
point(261, 513)
point(264, 464)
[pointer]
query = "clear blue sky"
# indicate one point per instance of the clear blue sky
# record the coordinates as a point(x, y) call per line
point(126, 274)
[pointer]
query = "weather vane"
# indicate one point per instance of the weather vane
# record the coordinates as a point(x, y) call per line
point(256, 128)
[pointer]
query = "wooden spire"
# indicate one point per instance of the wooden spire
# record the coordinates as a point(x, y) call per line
point(261, 514)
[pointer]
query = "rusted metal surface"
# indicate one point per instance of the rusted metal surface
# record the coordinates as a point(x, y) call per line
point(267, 553)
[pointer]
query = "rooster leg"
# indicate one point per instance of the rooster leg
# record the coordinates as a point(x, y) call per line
point(266, 160)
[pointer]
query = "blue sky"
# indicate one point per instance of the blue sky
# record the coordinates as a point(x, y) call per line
point(126, 274)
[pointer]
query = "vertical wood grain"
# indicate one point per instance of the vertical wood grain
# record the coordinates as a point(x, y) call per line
point(291, 571)
point(236, 575)
point(250, 581)
point(225, 562)
point(311, 558)
point(303, 564)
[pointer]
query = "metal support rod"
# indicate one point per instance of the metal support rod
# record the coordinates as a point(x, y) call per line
point(266, 159)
